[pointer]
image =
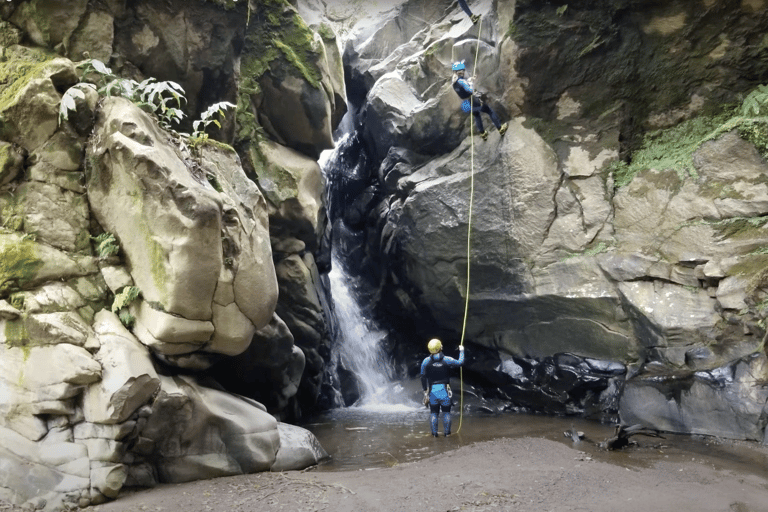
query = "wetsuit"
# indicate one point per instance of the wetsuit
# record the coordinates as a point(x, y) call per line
point(435, 376)
point(465, 92)
point(465, 7)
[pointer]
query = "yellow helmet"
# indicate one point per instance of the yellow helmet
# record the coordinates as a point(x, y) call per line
point(434, 346)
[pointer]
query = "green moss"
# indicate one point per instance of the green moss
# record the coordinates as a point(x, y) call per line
point(19, 263)
point(757, 134)
point(157, 265)
point(745, 228)
point(21, 65)
point(326, 32)
point(596, 249)
point(16, 334)
point(274, 181)
point(754, 268)
point(283, 39)
point(280, 42)
point(9, 35)
point(12, 212)
point(673, 148)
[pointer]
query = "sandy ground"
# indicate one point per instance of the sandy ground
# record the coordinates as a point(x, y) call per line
point(524, 474)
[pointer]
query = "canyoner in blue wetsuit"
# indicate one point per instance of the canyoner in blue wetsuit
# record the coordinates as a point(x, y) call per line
point(466, 9)
point(463, 87)
point(435, 376)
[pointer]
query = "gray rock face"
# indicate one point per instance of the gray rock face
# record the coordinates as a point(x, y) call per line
point(663, 274)
point(84, 410)
point(726, 401)
point(298, 449)
point(188, 284)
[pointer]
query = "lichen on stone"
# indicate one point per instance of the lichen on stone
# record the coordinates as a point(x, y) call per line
point(19, 263)
point(21, 65)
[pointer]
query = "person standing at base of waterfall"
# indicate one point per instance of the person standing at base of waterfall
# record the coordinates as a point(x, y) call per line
point(466, 9)
point(435, 378)
point(472, 100)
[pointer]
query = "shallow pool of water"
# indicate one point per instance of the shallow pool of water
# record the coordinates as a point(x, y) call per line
point(362, 438)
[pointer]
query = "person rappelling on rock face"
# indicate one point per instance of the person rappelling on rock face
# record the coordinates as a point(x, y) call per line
point(473, 101)
point(466, 9)
point(435, 378)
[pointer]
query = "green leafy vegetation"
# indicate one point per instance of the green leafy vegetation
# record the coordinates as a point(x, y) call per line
point(673, 148)
point(209, 117)
point(164, 99)
point(106, 245)
point(123, 299)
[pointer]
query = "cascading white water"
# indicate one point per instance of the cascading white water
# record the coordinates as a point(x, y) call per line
point(358, 337)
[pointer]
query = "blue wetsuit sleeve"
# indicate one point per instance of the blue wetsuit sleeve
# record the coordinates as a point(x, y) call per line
point(453, 362)
point(424, 373)
point(465, 85)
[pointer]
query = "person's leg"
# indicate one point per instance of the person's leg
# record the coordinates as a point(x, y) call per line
point(446, 406)
point(465, 7)
point(434, 408)
point(478, 120)
point(494, 118)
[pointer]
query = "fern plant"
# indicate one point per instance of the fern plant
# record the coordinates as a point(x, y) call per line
point(756, 103)
point(123, 299)
point(106, 245)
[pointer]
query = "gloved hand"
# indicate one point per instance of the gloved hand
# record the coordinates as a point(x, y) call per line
point(426, 398)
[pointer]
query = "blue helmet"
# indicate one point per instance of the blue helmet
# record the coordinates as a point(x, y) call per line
point(458, 66)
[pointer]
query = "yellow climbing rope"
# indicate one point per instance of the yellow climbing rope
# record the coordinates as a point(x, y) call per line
point(469, 225)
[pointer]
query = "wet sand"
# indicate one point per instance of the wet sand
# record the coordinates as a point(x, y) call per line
point(390, 463)
point(523, 474)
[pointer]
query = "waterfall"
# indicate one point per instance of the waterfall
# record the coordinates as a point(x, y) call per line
point(358, 339)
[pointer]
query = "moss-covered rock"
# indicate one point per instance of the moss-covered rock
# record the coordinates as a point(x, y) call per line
point(11, 163)
point(293, 186)
point(285, 81)
point(27, 263)
point(30, 95)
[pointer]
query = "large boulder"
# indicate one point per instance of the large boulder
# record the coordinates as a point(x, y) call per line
point(204, 260)
point(729, 401)
point(507, 227)
point(30, 96)
point(197, 432)
point(293, 186)
point(288, 83)
point(299, 449)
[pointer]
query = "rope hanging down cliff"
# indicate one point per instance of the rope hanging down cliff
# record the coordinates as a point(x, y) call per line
point(469, 237)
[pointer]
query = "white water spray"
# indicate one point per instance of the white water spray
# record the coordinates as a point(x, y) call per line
point(359, 338)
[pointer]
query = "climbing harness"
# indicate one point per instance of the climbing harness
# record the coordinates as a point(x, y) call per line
point(469, 230)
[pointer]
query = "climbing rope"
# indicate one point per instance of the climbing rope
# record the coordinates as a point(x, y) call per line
point(469, 223)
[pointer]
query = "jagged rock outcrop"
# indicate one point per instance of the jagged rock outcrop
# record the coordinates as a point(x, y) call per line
point(130, 252)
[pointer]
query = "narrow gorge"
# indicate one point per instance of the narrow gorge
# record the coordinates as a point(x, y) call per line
point(171, 223)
